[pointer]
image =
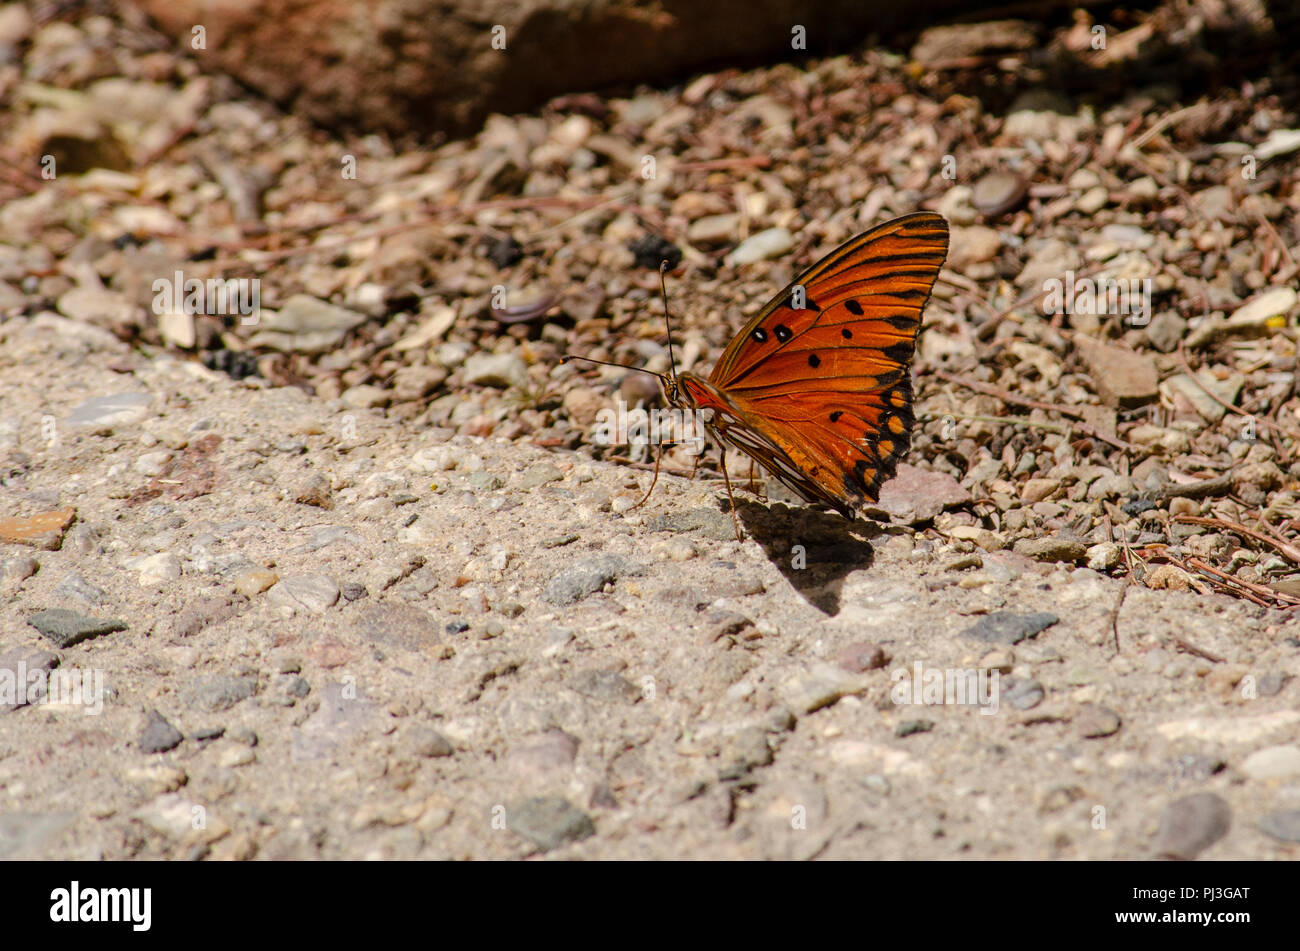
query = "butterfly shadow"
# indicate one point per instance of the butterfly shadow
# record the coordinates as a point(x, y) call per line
point(815, 550)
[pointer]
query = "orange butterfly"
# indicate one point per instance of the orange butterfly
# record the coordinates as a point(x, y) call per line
point(817, 387)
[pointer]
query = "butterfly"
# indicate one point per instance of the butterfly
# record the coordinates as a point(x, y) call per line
point(816, 388)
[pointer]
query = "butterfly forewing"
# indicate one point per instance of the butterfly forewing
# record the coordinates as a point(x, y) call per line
point(828, 384)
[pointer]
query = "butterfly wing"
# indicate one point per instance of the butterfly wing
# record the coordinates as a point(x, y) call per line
point(791, 464)
point(828, 383)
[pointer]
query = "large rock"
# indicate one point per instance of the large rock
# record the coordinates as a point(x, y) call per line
point(397, 64)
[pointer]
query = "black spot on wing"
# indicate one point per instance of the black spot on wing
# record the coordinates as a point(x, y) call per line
point(814, 361)
point(853, 307)
point(900, 352)
point(846, 333)
point(759, 334)
point(910, 293)
point(783, 333)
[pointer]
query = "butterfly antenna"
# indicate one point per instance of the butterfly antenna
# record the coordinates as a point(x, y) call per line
point(663, 289)
point(606, 363)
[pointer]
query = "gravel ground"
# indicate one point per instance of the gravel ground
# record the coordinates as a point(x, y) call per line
point(338, 638)
point(351, 578)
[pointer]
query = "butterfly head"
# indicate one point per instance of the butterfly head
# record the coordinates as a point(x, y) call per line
point(672, 392)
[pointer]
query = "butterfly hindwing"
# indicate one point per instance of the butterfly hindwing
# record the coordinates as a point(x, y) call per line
point(829, 384)
point(852, 446)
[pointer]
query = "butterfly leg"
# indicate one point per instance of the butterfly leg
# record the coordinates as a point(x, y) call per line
point(658, 459)
point(735, 520)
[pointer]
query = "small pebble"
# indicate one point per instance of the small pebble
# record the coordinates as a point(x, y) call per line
point(1093, 721)
point(1190, 825)
point(159, 736)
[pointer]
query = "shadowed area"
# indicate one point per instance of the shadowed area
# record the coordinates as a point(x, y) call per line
point(815, 550)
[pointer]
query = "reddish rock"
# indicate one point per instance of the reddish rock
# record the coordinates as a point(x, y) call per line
point(918, 495)
point(40, 531)
point(329, 653)
point(438, 64)
point(1122, 377)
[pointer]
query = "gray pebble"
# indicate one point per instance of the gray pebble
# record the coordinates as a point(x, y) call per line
point(1053, 548)
point(771, 243)
point(1166, 330)
point(1283, 825)
point(553, 749)
point(316, 593)
point(1271, 683)
point(296, 686)
point(998, 192)
point(159, 736)
point(1196, 767)
point(605, 685)
point(588, 576)
point(484, 481)
point(539, 474)
point(66, 628)
point(120, 409)
point(426, 741)
point(19, 568)
point(820, 685)
point(908, 727)
point(496, 369)
point(73, 587)
point(708, 522)
point(1023, 693)
point(352, 591)
point(1005, 627)
point(549, 821)
point(1094, 721)
point(218, 693)
point(602, 797)
point(1190, 825)
point(744, 750)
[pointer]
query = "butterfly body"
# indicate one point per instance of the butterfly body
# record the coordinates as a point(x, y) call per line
point(817, 387)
